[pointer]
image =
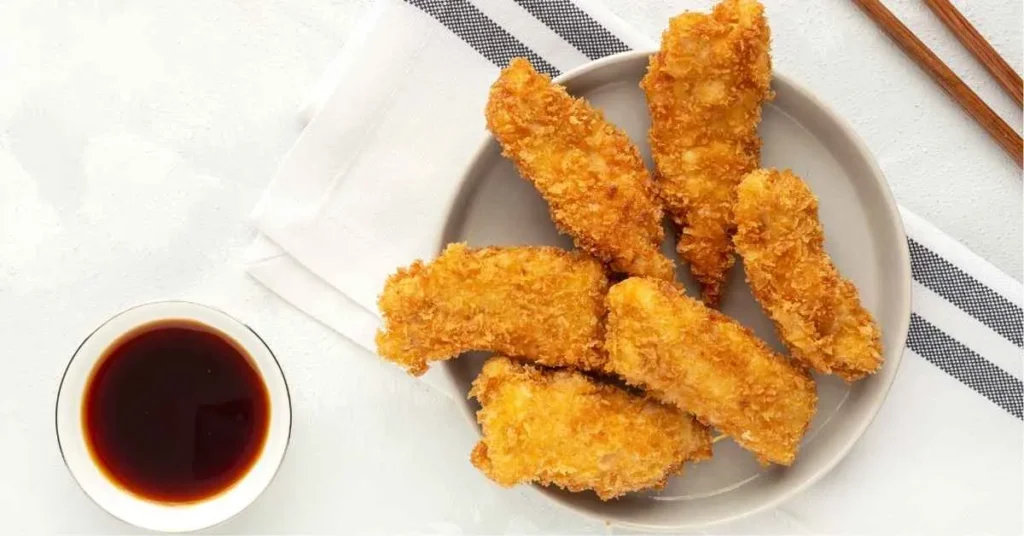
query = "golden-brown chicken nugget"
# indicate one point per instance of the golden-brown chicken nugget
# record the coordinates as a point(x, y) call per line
point(818, 313)
point(588, 170)
point(696, 358)
point(559, 427)
point(704, 88)
point(541, 303)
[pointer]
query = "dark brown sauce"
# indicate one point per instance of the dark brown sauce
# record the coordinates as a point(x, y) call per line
point(175, 412)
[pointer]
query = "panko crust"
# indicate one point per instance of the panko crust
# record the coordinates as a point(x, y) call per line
point(818, 313)
point(541, 303)
point(696, 358)
point(562, 428)
point(704, 88)
point(587, 169)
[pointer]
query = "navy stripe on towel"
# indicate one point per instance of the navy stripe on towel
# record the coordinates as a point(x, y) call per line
point(481, 33)
point(575, 26)
point(970, 295)
point(965, 365)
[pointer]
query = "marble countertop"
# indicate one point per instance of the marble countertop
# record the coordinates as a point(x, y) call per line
point(136, 136)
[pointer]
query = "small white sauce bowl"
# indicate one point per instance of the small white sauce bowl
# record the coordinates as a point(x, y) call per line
point(140, 511)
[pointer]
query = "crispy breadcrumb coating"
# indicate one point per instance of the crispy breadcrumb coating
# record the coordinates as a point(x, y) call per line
point(541, 303)
point(587, 169)
point(818, 314)
point(700, 360)
point(559, 427)
point(704, 93)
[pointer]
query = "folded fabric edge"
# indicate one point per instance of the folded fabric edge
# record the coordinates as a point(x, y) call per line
point(945, 246)
point(286, 277)
point(266, 262)
point(329, 81)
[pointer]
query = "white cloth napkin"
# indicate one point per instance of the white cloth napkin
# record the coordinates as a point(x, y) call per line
point(368, 185)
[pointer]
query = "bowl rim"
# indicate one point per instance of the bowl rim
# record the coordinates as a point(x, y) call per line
point(901, 329)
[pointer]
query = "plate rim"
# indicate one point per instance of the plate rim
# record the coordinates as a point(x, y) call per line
point(465, 188)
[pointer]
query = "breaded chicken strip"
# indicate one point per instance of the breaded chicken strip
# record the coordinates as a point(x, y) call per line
point(540, 303)
point(588, 170)
point(700, 360)
point(704, 93)
point(561, 427)
point(818, 313)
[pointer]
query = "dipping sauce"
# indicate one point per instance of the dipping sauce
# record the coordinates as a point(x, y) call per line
point(175, 412)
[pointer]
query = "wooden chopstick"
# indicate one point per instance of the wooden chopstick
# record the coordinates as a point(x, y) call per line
point(982, 50)
point(946, 78)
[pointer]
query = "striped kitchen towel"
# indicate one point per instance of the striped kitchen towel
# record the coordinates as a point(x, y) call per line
point(367, 186)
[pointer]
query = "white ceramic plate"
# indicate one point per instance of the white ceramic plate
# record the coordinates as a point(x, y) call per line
point(864, 236)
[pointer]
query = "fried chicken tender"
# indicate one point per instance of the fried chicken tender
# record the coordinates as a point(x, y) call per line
point(590, 173)
point(700, 360)
point(541, 303)
point(704, 93)
point(818, 314)
point(560, 427)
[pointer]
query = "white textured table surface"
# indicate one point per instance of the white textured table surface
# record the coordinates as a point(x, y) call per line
point(136, 136)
